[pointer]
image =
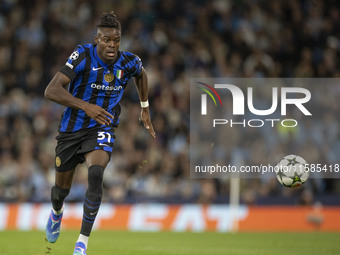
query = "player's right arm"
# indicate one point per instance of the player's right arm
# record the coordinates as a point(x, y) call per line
point(56, 92)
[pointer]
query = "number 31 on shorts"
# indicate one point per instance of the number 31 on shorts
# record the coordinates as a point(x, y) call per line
point(105, 138)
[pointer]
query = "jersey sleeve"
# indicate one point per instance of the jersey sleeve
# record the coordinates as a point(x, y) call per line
point(138, 65)
point(134, 65)
point(75, 63)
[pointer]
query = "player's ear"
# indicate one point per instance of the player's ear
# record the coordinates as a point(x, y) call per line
point(96, 39)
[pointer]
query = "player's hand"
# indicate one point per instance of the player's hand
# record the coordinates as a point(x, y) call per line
point(145, 117)
point(98, 114)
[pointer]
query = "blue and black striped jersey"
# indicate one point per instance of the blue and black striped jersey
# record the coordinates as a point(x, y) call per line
point(96, 82)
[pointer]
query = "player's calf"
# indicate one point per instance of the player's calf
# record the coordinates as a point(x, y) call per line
point(93, 198)
point(58, 196)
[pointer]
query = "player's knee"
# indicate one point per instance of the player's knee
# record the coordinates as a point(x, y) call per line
point(95, 177)
point(58, 194)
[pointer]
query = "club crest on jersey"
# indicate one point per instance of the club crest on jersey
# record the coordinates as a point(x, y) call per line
point(119, 74)
point(109, 77)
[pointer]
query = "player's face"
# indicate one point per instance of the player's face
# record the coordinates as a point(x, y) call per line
point(108, 41)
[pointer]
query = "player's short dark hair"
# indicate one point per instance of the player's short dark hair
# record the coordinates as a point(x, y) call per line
point(109, 20)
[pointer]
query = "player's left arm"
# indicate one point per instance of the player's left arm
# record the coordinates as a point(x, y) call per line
point(141, 82)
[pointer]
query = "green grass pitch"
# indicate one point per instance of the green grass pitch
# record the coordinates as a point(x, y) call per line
point(169, 243)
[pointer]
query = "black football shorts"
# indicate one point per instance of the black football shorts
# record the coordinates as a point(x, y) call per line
point(72, 147)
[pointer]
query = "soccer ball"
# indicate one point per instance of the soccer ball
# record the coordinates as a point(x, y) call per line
point(291, 171)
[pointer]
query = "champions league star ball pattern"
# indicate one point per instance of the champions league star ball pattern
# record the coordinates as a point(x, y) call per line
point(291, 171)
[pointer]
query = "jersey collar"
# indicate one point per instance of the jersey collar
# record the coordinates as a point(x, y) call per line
point(101, 62)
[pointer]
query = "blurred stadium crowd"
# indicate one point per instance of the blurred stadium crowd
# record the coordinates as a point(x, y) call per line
point(176, 40)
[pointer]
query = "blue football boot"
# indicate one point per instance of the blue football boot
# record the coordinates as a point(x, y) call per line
point(80, 249)
point(53, 227)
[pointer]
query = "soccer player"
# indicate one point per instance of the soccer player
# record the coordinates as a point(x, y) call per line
point(97, 75)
